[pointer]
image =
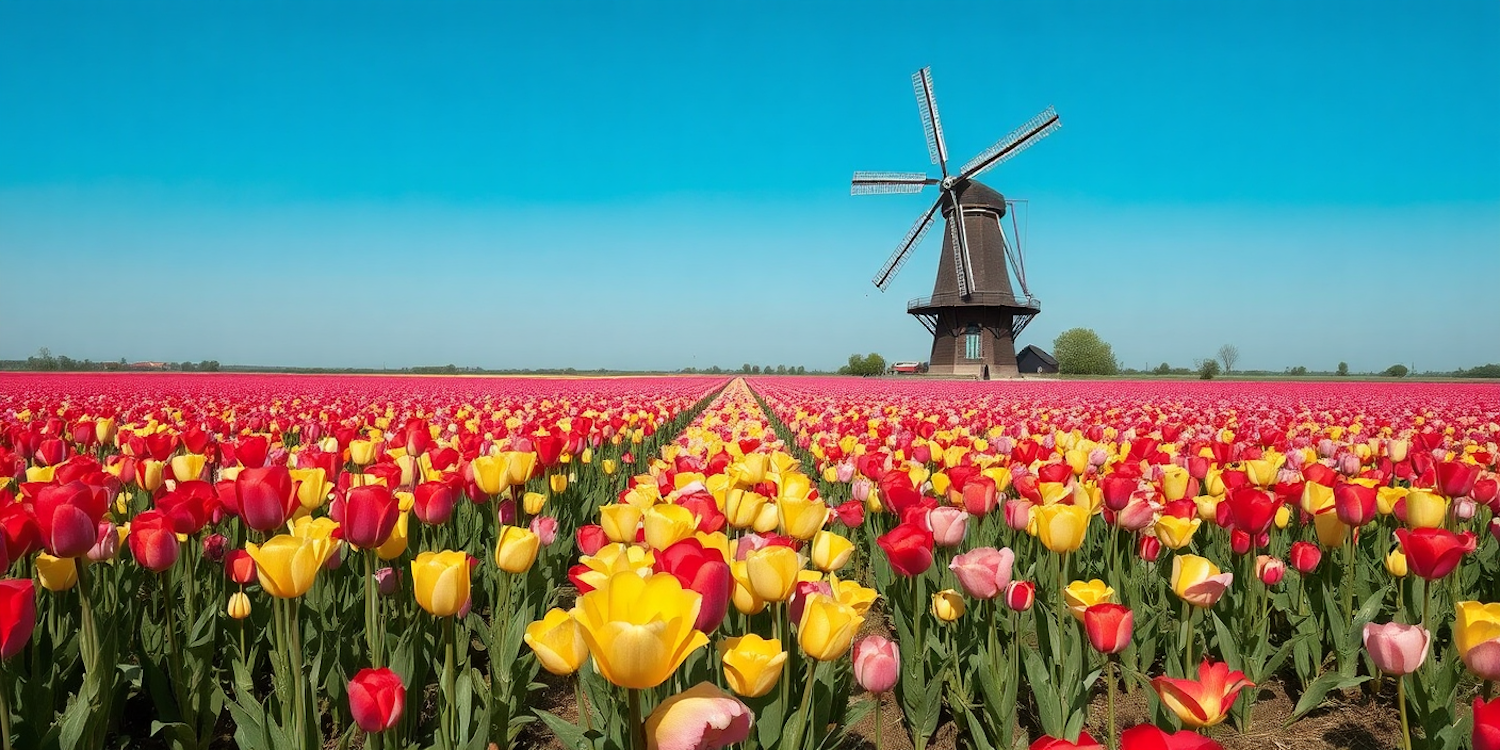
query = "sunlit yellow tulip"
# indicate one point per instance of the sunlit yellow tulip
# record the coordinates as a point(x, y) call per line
point(288, 564)
point(827, 628)
point(1198, 581)
point(1176, 533)
point(1262, 472)
point(1395, 563)
point(948, 605)
point(1061, 527)
point(744, 597)
point(56, 573)
point(557, 642)
point(1283, 517)
point(558, 483)
point(519, 466)
point(104, 430)
point(1054, 492)
point(1425, 510)
point(188, 466)
point(801, 518)
point(489, 474)
point(362, 452)
point(831, 551)
point(741, 507)
point(1476, 623)
point(395, 545)
point(151, 474)
point(639, 630)
point(620, 522)
point(516, 549)
point(851, 593)
point(1174, 483)
point(752, 664)
point(773, 572)
point(1080, 595)
point(239, 606)
point(1316, 497)
point(1387, 497)
point(40, 473)
point(441, 581)
point(312, 487)
point(667, 524)
point(1331, 531)
point(615, 558)
point(610, 466)
point(533, 502)
point(750, 470)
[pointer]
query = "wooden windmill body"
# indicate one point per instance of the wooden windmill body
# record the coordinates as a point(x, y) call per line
point(974, 313)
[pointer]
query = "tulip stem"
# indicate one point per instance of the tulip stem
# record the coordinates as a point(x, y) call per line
point(1401, 701)
point(878, 721)
point(450, 684)
point(580, 699)
point(803, 719)
point(372, 611)
point(637, 727)
point(1187, 639)
point(1109, 674)
point(4, 707)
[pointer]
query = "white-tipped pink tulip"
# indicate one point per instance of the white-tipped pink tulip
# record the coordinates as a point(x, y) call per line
point(1397, 649)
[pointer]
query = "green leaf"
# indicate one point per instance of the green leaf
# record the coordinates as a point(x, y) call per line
point(569, 734)
point(1320, 688)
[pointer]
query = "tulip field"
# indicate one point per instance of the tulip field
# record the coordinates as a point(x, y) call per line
point(795, 563)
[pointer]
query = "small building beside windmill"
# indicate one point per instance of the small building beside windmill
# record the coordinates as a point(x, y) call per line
point(1034, 361)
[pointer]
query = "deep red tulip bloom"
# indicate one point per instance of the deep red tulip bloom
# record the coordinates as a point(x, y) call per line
point(265, 497)
point(1109, 627)
point(1148, 548)
point(549, 449)
point(1085, 742)
point(1252, 510)
point(703, 570)
point(898, 492)
point(240, 567)
point(1239, 541)
point(153, 541)
point(17, 615)
point(591, 539)
point(703, 505)
point(1434, 553)
point(1456, 479)
point(1020, 595)
point(1486, 492)
point(1117, 490)
point(416, 436)
point(1486, 724)
point(51, 452)
point(1354, 504)
point(188, 510)
point(850, 513)
point(250, 452)
point(68, 515)
point(376, 699)
point(1149, 737)
point(1305, 557)
point(434, 502)
point(1055, 472)
point(908, 547)
point(370, 514)
point(19, 528)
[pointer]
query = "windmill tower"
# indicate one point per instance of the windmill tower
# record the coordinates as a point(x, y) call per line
point(974, 313)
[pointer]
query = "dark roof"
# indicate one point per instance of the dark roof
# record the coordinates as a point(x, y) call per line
point(1045, 357)
point(975, 193)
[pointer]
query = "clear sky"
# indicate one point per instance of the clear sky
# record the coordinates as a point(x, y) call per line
point(642, 185)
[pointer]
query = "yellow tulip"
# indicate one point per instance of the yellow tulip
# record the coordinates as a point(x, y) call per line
point(362, 452)
point(1262, 472)
point(750, 470)
point(40, 473)
point(1476, 623)
point(104, 430)
point(827, 628)
point(533, 502)
point(287, 564)
point(1176, 533)
point(1198, 581)
point(940, 482)
point(557, 642)
point(772, 572)
point(1174, 482)
point(615, 558)
point(519, 466)
point(948, 605)
point(56, 573)
point(395, 545)
point(851, 593)
point(1395, 563)
point(1425, 510)
point(767, 519)
point(831, 551)
point(752, 664)
point(152, 473)
point(741, 507)
point(620, 522)
point(558, 483)
point(744, 597)
point(793, 486)
point(1061, 527)
point(312, 487)
point(1054, 492)
point(610, 466)
point(800, 518)
point(668, 524)
point(1080, 595)
point(1387, 497)
point(1316, 497)
point(441, 581)
point(639, 630)
point(188, 466)
point(516, 549)
point(1283, 517)
point(489, 474)
point(1331, 531)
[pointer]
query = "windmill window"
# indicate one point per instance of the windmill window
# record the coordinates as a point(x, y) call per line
point(973, 345)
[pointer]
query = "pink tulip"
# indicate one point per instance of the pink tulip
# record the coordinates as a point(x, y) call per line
point(844, 472)
point(1137, 514)
point(545, 527)
point(703, 717)
point(877, 663)
point(984, 572)
point(948, 525)
point(108, 544)
point(1484, 660)
point(860, 488)
point(1018, 513)
point(1269, 569)
point(1397, 649)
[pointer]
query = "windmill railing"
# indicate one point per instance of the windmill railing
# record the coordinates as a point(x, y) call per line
point(975, 299)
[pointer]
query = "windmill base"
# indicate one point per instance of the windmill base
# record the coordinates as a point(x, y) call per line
point(977, 342)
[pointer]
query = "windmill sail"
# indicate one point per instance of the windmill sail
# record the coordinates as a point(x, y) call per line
point(932, 127)
point(876, 183)
point(1018, 140)
point(903, 251)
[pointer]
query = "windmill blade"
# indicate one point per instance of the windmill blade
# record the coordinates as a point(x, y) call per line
point(962, 266)
point(932, 127)
point(1013, 257)
point(1018, 140)
point(875, 183)
point(903, 251)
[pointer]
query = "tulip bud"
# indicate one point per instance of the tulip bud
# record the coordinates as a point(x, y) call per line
point(213, 547)
point(1020, 595)
point(1239, 541)
point(377, 699)
point(1270, 570)
point(1305, 557)
point(1148, 548)
point(591, 538)
point(948, 525)
point(387, 581)
point(1109, 627)
point(239, 606)
point(948, 605)
point(877, 664)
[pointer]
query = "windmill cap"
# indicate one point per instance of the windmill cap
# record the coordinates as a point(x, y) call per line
point(976, 194)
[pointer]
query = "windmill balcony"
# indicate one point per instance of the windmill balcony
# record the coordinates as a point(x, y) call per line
point(1022, 305)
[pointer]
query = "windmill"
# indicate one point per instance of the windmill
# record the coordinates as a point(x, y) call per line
point(974, 314)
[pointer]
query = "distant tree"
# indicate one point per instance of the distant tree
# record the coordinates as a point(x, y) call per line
point(1482, 371)
point(1343, 368)
point(1229, 354)
point(1163, 369)
point(1080, 351)
point(209, 365)
point(801, 370)
point(187, 367)
point(780, 369)
point(1208, 368)
point(745, 368)
point(1298, 370)
point(755, 369)
point(1396, 371)
point(715, 370)
point(865, 366)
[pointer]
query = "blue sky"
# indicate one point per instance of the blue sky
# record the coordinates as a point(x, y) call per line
point(664, 185)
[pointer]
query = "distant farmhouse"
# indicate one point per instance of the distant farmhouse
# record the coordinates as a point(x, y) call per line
point(1034, 361)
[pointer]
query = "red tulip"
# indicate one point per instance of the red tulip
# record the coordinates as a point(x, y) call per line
point(1148, 548)
point(850, 513)
point(701, 569)
point(434, 502)
point(591, 539)
point(979, 496)
point(1109, 627)
point(1269, 569)
point(370, 515)
point(68, 515)
point(250, 452)
point(19, 528)
point(1085, 742)
point(1020, 595)
point(265, 497)
point(1354, 504)
point(51, 452)
point(1148, 737)
point(1305, 557)
point(376, 699)
point(240, 567)
point(1252, 510)
point(908, 547)
point(1434, 553)
point(153, 541)
point(1486, 724)
point(1456, 479)
point(17, 615)
point(1117, 490)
